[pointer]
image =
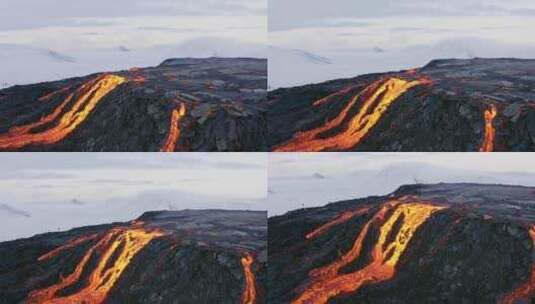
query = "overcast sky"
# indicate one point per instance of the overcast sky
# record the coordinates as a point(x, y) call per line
point(372, 36)
point(53, 39)
point(299, 180)
point(41, 192)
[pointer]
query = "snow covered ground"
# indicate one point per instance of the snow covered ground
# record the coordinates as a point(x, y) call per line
point(25, 64)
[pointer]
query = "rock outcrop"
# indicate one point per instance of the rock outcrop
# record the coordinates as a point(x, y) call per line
point(443, 243)
point(214, 104)
point(448, 105)
point(190, 256)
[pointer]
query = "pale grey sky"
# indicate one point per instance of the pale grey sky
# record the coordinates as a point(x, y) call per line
point(73, 38)
point(297, 180)
point(42, 192)
point(359, 37)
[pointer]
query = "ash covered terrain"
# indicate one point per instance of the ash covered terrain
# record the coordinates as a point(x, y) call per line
point(212, 104)
point(190, 256)
point(448, 105)
point(441, 243)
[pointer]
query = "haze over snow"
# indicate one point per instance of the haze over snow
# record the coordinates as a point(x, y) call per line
point(360, 37)
point(55, 39)
point(42, 192)
point(298, 180)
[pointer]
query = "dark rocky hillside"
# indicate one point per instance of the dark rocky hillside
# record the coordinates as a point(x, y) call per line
point(448, 105)
point(191, 256)
point(214, 104)
point(443, 243)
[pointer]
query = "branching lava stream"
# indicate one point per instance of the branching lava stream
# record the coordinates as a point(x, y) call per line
point(249, 292)
point(376, 99)
point(326, 282)
point(114, 251)
point(490, 131)
point(174, 129)
point(81, 103)
point(343, 217)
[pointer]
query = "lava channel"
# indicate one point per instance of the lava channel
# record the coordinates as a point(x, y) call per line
point(490, 131)
point(527, 289)
point(249, 292)
point(376, 99)
point(114, 252)
point(341, 218)
point(326, 282)
point(174, 129)
point(82, 103)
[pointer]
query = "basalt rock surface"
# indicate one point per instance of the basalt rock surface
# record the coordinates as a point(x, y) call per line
point(443, 243)
point(191, 256)
point(213, 104)
point(447, 105)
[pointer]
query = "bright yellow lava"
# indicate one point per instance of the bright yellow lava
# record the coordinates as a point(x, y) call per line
point(111, 264)
point(174, 129)
point(327, 282)
point(249, 292)
point(88, 96)
point(490, 131)
point(376, 99)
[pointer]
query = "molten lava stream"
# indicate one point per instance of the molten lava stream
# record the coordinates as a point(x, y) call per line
point(109, 268)
point(69, 245)
point(174, 129)
point(249, 292)
point(90, 94)
point(376, 99)
point(527, 289)
point(326, 282)
point(490, 131)
point(343, 217)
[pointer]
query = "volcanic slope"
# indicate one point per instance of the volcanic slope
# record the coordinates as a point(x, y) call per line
point(443, 243)
point(448, 105)
point(212, 104)
point(190, 256)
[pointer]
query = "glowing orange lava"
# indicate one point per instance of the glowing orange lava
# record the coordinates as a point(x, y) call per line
point(327, 282)
point(174, 129)
point(376, 99)
point(343, 217)
point(87, 97)
point(50, 95)
point(71, 244)
point(114, 251)
point(527, 289)
point(249, 292)
point(490, 131)
point(330, 97)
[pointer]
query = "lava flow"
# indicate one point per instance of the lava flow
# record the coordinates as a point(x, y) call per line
point(69, 245)
point(343, 217)
point(527, 289)
point(490, 131)
point(83, 101)
point(249, 293)
point(327, 282)
point(174, 129)
point(376, 99)
point(114, 251)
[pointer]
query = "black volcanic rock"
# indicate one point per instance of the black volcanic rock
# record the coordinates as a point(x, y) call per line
point(445, 112)
point(223, 100)
point(443, 243)
point(190, 256)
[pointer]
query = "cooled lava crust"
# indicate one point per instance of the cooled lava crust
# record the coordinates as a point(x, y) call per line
point(443, 243)
point(191, 256)
point(214, 104)
point(448, 105)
